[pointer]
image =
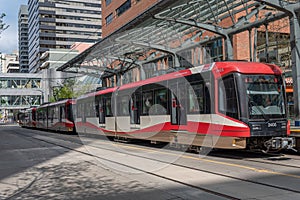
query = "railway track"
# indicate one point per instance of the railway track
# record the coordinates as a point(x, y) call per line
point(137, 169)
point(179, 165)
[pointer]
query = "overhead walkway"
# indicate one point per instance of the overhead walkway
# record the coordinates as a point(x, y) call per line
point(20, 91)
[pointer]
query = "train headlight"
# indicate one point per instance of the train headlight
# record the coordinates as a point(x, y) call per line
point(256, 127)
point(283, 125)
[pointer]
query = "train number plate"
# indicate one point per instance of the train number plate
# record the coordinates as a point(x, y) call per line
point(272, 124)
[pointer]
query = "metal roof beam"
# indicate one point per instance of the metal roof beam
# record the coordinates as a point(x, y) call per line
point(209, 27)
point(93, 67)
point(159, 48)
point(246, 18)
point(292, 11)
point(279, 5)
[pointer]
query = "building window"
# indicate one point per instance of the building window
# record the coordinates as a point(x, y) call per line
point(109, 19)
point(125, 6)
point(107, 2)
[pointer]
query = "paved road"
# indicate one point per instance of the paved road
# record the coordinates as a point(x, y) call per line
point(43, 165)
point(31, 169)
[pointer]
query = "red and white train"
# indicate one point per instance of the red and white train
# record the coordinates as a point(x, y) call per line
point(27, 118)
point(57, 116)
point(232, 105)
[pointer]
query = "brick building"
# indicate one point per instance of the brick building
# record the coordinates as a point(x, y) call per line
point(116, 14)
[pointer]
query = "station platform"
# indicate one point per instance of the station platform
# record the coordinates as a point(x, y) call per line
point(295, 131)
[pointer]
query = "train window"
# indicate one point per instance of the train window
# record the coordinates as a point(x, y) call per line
point(33, 115)
point(90, 108)
point(108, 109)
point(227, 97)
point(265, 95)
point(62, 113)
point(161, 102)
point(80, 109)
point(51, 114)
point(97, 107)
point(147, 102)
point(196, 98)
point(55, 114)
point(100, 110)
point(123, 106)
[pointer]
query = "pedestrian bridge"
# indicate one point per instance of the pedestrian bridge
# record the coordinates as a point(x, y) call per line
point(20, 90)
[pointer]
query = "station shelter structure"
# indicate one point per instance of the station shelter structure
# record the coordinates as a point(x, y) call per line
point(171, 35)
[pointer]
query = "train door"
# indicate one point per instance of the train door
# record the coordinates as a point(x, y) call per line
point(135, 104)
point(178, 104)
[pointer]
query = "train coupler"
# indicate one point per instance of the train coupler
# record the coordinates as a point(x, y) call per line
point(279, 143)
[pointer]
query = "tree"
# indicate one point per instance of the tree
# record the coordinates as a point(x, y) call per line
point(70, 88)
point(66, 91)
point(3, 26)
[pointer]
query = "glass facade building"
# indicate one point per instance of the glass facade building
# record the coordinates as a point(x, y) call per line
point(23, 38)
point(57, 24)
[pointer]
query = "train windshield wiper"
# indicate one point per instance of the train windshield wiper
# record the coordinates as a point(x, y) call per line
point(252, 103)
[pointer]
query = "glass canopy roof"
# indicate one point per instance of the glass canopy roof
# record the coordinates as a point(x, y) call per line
point(170, 29)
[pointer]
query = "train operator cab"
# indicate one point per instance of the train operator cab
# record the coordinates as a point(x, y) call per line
point(258, 100)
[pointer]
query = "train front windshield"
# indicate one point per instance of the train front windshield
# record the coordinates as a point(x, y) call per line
point(265, 95)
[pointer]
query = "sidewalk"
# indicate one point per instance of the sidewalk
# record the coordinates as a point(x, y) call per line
point(295, 131)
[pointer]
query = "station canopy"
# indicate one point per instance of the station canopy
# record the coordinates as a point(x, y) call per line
point(170, 29)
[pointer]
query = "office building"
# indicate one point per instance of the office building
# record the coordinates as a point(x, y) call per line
point(23, 38)
point(10, 62)
point(57, 24)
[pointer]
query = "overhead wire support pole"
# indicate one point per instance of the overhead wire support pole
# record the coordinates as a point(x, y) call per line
point(267, 57)
point(250, 45)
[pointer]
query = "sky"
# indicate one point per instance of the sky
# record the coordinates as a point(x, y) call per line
point(9, 38)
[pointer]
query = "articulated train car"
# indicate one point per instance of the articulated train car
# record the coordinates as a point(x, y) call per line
point(231, 105)
point(57, 116)
point(27, 118)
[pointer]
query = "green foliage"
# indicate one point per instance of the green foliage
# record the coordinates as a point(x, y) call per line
point(66, 91)
point(71, 88)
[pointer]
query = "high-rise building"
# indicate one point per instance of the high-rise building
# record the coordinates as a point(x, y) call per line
point(10, 62)
point(57, 24)
point(23, 38)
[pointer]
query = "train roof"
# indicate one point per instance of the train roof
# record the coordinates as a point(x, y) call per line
point(222, 68)
point(219, 69)
point(64, 101)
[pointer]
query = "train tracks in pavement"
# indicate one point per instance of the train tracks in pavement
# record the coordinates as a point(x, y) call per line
point(94, 150)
